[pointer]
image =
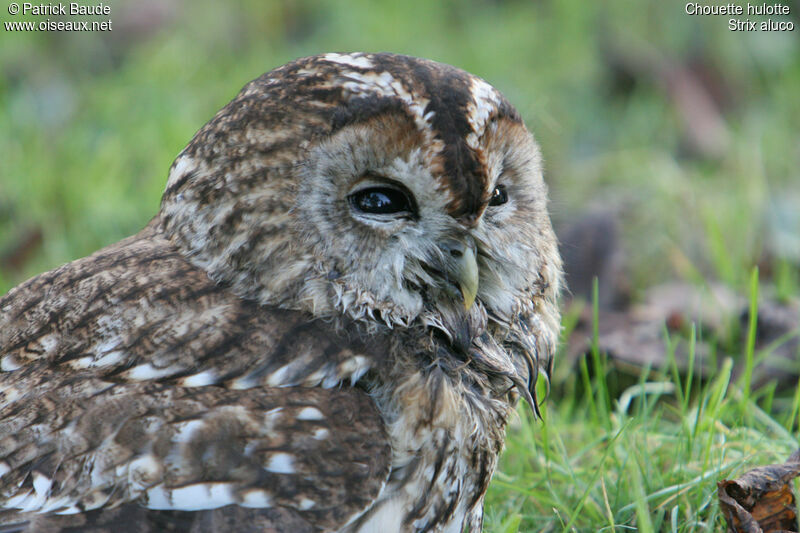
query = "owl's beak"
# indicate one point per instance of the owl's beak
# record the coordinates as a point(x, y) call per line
point(462, 268)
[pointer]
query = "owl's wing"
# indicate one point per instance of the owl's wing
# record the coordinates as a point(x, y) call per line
point(130, 377)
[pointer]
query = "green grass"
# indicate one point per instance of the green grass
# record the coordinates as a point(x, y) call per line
point(649, 464)
point(90, 123)
point(652, 461)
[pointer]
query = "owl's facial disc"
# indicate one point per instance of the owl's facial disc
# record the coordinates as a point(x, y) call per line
point(387, 204)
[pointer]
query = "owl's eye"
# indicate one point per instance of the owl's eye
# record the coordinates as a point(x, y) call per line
point(381, 201)
point(499, 196)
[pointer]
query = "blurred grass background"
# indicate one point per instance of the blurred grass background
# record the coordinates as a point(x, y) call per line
point(686, 132)
point(689, 130)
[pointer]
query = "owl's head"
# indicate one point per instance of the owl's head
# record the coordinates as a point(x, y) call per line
point(389, 189)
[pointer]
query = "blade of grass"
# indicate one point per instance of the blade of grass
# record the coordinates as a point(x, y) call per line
point(792, 416)
point(603, 398)
point(598, 471)
point(750, 346)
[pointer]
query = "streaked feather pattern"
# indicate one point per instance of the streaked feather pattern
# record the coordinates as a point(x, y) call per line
point(267, 356)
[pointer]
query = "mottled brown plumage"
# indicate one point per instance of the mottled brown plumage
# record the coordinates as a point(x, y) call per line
point(323, 329)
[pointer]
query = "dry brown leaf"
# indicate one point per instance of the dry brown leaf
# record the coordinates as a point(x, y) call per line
point(761, 501)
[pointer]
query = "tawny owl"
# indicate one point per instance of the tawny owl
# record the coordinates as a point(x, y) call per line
point(326, 327)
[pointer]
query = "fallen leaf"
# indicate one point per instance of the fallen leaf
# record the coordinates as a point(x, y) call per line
point(761, 501)
point(634, 338)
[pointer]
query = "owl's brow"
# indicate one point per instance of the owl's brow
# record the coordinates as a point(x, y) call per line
point(360, 109)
